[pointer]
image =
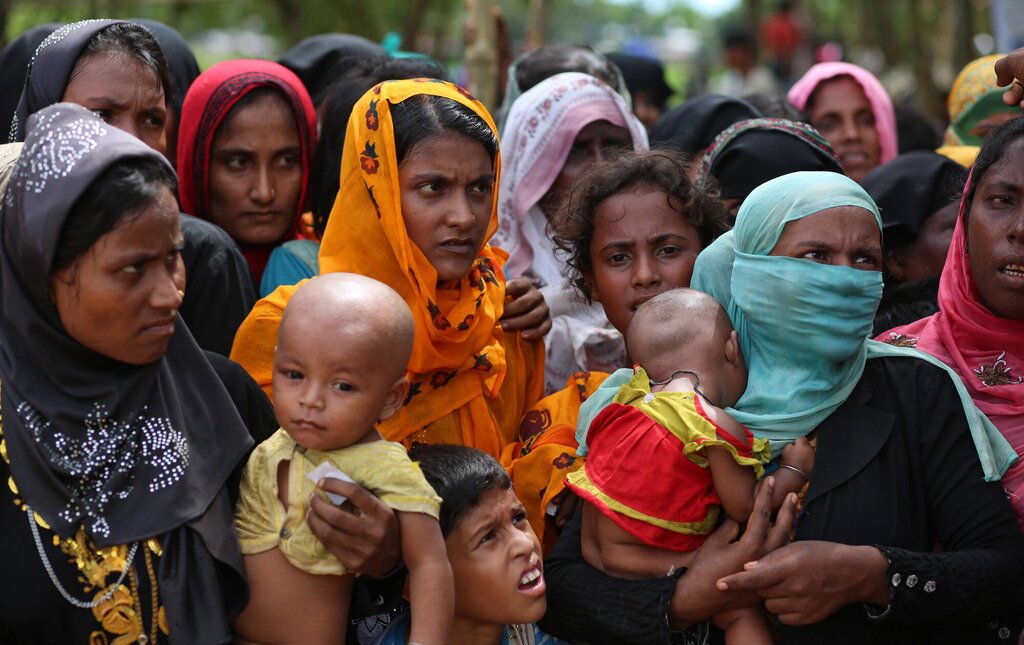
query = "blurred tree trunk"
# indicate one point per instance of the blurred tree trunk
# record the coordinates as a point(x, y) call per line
point(922, 24)
point(963, 32)
point(5, 12)
point(292, 14)
point(413, 23)
point(444, 18)
point(752, 15)
point(883, 21)
point(536, 24)
point(482, 54)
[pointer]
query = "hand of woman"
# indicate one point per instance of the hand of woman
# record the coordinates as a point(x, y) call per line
point(525, 310)
point(1009, 68)
point(365, 539)
point(805, 582)
point(696, 595)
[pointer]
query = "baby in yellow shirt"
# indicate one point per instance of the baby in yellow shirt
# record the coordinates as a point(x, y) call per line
point(339, 367)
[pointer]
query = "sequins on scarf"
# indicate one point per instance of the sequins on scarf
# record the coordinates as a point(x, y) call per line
point(56, 152)
point(103, 462)
point(60, 34)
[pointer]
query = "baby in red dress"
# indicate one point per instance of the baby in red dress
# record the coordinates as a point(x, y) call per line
point(665, 457)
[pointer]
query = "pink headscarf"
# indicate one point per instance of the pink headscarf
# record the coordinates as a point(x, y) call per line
point(986, 350)
point(539, 133)
point(881, 104)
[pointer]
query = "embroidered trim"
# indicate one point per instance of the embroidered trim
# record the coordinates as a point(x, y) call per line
point(999, 373)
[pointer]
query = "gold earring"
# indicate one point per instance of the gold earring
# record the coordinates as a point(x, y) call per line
point(181, 293)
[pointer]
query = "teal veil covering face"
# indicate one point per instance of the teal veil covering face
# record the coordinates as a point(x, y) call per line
point(804, 327)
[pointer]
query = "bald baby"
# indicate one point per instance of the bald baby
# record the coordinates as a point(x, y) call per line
point(681, 325)
point(350, 308)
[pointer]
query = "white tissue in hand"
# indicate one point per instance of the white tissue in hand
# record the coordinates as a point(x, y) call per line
point(327, 470)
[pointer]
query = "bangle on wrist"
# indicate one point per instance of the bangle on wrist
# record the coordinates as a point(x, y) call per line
point(874, 614)
point(796, 470)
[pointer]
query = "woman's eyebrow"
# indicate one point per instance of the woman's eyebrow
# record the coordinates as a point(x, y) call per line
point(136, 257)
point(234, 151)
point(429, 175)
point(1004, 186)
point(814, 244)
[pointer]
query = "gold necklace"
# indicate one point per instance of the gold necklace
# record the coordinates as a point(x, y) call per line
point(116, 607)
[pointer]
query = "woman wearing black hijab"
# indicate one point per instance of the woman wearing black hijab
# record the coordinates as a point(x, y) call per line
point(918, 195)
point(220, 292)
point(692, 126)
point(183, 70)
point(14, 60)
point(118, 436)
point(752, 152)
point(317, 59)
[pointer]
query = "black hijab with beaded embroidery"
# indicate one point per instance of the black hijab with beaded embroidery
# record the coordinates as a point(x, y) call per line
point(126, 452)
point(50, 69)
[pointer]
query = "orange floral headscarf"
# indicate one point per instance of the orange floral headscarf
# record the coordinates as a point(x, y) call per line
point(457, 357)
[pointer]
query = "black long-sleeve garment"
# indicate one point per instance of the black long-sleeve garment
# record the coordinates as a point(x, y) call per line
point(31, 609)
point(219, 291)
point(896, 468)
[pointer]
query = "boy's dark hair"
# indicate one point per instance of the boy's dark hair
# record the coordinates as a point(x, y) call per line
point(461, 476)
point(662, 170)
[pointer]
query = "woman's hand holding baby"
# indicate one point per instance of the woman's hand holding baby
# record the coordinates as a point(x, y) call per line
point(696, 595)
point(365, 539)
point(805, 582)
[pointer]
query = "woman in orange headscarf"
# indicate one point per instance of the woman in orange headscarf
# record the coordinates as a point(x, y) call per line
point(418, 180)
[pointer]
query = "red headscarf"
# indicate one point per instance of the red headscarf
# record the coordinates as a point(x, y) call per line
point(986, 350)
point(207, 103)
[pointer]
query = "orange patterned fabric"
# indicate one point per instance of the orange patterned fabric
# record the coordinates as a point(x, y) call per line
point(471, 381)
point(545, 452)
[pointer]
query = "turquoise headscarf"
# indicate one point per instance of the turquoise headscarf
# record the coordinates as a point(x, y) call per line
point(804, 327)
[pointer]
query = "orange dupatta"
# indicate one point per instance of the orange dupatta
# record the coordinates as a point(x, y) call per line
point(459, 360)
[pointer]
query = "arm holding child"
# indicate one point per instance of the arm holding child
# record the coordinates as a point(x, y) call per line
point(735, 483)
point(431, 588)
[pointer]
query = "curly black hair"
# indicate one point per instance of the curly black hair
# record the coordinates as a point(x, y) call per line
point(664, 170)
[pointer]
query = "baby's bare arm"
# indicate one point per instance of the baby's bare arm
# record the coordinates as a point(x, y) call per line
point(288, 605)
point(797, 456)
point(612, 549)
point(431, 587)
point(735, 484)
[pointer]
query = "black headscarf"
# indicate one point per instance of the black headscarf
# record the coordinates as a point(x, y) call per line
point(55, 59)
point(315, 59)
point(14, 60)
point(749, 153)
point(126, 452)
point(910, 188)
point(181, 62)
point(692, 126)
point(643, 74)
